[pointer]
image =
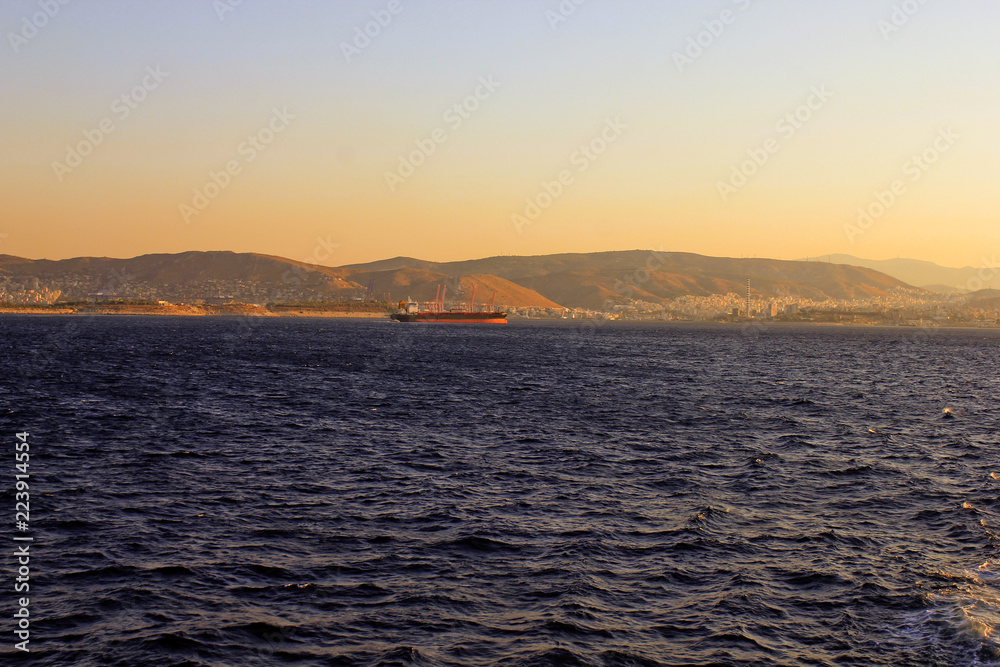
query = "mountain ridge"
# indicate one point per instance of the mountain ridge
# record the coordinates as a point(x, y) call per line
point(573, 280)
point(925, 274)
point(592, 279)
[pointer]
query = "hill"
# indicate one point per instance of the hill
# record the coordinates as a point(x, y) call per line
point(589, 280)
point(928, 275)
point(988, 299)
point(942, 289)
point(248, 277)
point(585, 280)
point(422, 285)
point(188, 275)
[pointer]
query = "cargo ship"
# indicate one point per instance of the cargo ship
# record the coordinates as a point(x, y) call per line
point(410, 311)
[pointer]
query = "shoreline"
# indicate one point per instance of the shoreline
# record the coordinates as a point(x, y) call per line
point(188, 311)
point(253, 311)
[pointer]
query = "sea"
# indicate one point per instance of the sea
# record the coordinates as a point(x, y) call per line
point(279, 491)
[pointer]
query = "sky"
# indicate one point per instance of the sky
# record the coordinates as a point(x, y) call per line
point(348, 131)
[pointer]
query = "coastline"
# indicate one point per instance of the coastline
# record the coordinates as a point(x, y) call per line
point(189, 311)
point(263, 312)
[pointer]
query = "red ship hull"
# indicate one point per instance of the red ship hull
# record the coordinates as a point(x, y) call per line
point(453, 318)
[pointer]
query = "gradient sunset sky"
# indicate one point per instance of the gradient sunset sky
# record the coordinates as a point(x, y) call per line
point(333, 112)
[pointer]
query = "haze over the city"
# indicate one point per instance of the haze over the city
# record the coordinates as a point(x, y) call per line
point(354, 131)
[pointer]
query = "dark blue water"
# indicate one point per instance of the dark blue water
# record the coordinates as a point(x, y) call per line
point(329, 492)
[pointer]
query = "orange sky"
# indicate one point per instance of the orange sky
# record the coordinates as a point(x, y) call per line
point(480, 128)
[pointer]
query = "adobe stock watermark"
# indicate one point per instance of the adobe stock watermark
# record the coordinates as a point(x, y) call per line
point(276, 640)
point(454, 116)
point(704, 39)
point(562, 12)
point(787, 126)
point(248, 150)
point(121, 108)
point(900, 16)
point(58, 342)
point(581, 158)
point(625, 287)
point(913, 170)
point(37, 21)
point(293, 277)
point(363, 35)
point(223, 7)
point(752, 328)
point(927, 329)
point(988, 270)
point(321, 253)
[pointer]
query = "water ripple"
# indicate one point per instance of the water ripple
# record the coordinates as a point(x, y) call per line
point(369, 493)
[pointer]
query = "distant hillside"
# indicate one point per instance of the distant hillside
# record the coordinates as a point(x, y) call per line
point(187, 275)
point(591, 280)
point(249, 277)
point(422, 285)
point(180, 268)
point(588, 280)
point(942, 289)
point(985, 298)
point(917, 272)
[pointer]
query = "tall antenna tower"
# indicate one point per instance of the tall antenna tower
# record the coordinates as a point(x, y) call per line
point(748, 297)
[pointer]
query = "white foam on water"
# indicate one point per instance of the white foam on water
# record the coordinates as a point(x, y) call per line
point(962, 619)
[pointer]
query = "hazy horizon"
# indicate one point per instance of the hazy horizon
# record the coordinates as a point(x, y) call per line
point(455, 130)
point(320, 250)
